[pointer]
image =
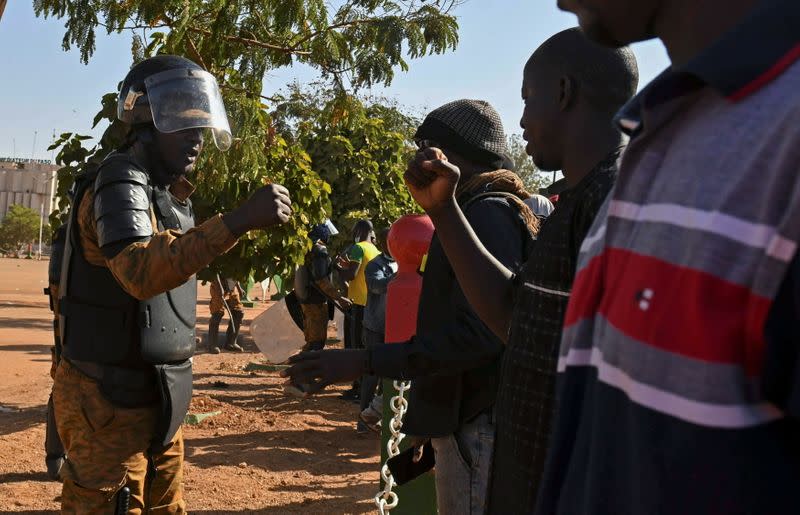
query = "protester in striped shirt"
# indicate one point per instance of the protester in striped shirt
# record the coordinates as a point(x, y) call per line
point(679, 370)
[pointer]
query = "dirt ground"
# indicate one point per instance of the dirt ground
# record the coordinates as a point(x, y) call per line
point(265, 453)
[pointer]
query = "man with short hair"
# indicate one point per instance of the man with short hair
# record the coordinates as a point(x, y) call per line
point(454, 359)
point(678, 372)
point(571, 88)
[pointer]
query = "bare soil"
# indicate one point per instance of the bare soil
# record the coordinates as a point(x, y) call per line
point(264, 453)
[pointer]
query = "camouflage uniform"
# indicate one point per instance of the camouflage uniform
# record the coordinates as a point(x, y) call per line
point(110, 447)
point(217, 309)
point(107, 446)
point(315, 325)
point(231, 297)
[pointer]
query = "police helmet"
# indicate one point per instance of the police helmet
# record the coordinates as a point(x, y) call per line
point(173, 93)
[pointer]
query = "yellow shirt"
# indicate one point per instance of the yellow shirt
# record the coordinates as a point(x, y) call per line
point(363, 252)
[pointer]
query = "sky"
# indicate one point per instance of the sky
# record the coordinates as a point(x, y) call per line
point(45, 90)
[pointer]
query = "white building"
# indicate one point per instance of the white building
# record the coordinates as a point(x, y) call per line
point(30, 183)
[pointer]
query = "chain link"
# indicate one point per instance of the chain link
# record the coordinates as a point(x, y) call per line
point(386, 499)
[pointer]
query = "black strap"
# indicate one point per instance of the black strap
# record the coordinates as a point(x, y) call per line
point(164, 206)
point(525, 231)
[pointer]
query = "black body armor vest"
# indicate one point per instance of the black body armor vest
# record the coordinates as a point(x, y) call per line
point(102, 323)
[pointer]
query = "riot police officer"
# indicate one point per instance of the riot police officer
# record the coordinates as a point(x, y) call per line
point(315, 290)
point(128, 292)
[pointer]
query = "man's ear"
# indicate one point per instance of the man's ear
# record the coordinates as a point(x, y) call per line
point(568, 92)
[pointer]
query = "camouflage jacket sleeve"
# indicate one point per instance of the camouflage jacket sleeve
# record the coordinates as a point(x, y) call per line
point(328, 288)
point(167, 260)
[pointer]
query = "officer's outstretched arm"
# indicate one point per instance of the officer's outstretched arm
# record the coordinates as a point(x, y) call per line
point(145, 262)
point(328, 288)
point(169, 258)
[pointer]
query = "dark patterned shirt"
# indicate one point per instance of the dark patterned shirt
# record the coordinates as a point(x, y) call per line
point(524, 408)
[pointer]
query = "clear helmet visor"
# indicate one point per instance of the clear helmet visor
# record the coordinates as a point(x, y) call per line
point(188, 99)
point(332, 228)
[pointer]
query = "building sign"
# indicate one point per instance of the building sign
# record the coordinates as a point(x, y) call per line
point(25, 161)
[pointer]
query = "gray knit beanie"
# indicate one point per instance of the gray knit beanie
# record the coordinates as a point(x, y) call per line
point(471, 128)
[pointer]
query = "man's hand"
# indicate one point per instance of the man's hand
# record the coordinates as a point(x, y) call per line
point(267, 207)
point(418, 443)
point(318, 369)
point(347, 268)
point(342, 261)
point(432, 180)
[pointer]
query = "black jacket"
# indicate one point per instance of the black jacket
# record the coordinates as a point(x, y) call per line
point(454, 358)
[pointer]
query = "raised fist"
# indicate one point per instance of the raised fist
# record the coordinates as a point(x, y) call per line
point(267, 207)
point(431, 179)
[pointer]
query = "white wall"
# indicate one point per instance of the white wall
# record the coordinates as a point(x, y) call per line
point(33, 186)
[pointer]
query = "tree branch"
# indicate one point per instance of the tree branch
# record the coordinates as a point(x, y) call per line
point(195, 53)
point(136, 26)
point(249, 42)
point(248, 92)
point(335, 26)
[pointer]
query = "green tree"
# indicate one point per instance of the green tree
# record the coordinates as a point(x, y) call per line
point(360, 146)
point(352, 43)
point(20, 226)
point(533, 178)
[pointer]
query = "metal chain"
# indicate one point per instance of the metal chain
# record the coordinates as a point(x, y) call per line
point(386, 500)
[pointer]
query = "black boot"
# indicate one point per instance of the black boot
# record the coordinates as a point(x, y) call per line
point(213, 333)
point(232, 335)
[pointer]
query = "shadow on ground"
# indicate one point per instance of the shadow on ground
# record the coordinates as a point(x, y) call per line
point(25, 323)
point(285, 450)
point(23, 304)
point(18, 477)
point(17, 421)
point(41, 348)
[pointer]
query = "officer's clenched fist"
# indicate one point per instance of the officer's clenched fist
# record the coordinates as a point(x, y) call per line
point(267, 207)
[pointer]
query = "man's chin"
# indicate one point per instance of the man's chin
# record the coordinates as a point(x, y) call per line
point(598, 31)
point(543, 166)
point(600, 35)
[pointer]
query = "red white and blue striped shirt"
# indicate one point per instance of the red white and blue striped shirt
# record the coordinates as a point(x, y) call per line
point(662, 406)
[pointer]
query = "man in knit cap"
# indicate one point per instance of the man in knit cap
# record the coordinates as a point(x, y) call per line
point(454, 359)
